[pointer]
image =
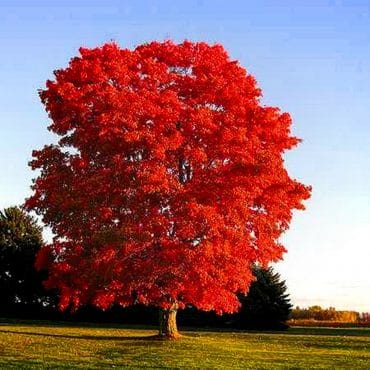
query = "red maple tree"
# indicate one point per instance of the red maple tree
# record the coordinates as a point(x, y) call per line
point(167, 181)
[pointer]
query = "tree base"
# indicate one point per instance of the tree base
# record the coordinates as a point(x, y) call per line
point(167, 324)
point(172, 336)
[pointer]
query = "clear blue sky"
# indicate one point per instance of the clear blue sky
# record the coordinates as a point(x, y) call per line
point(311, 58)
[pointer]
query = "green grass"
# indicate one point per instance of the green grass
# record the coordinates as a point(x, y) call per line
point(32, 344)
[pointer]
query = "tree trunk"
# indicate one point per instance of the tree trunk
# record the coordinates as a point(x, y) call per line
point(167, 323)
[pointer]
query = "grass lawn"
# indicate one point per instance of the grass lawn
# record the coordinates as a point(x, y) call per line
point(32, 344)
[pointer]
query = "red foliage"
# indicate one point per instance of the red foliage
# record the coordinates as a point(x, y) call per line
point(167, 181)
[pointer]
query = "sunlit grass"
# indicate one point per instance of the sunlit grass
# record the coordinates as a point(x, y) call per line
point(37, 344)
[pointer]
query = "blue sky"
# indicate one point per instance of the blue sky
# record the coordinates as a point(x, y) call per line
point(311, 58)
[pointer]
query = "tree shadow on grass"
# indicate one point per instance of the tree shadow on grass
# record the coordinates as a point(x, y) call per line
point(73, 324)
point(89, 337)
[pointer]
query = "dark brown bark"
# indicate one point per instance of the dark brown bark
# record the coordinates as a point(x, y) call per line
point(167, 323)
point(185, 171)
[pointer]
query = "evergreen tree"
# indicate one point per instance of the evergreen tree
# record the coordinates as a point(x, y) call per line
point(20, 284)
point(267, 305)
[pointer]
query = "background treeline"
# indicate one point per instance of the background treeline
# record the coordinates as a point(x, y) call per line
point(316, 315)
point(324, 314)
point(267, 305)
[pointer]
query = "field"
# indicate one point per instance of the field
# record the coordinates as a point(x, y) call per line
point(31, 344)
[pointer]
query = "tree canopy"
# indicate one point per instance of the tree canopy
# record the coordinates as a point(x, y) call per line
point(167, 180)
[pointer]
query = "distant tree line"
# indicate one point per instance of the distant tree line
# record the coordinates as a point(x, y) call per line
point(266, 306)
point(317, 313)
